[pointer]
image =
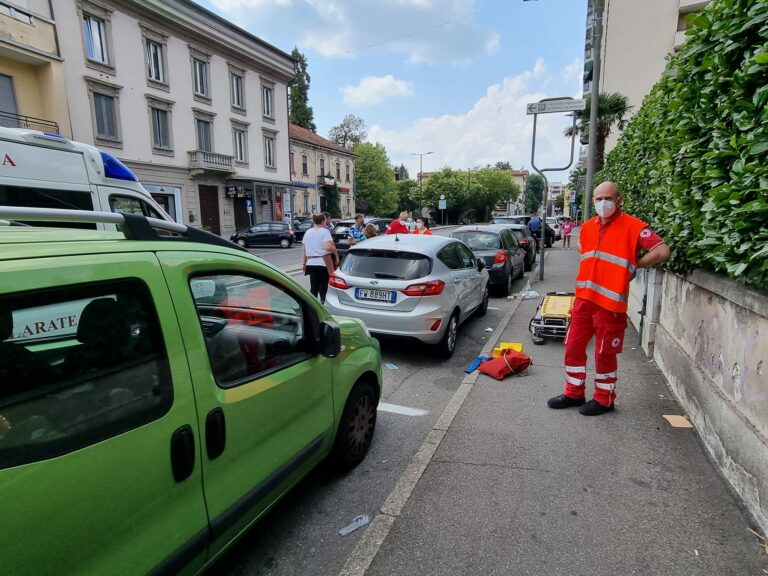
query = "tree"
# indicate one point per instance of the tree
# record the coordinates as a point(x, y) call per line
point(534, 193)
point(408, 195)
point(375, 182)
point(502, 165)
point(497, 186)
point(349, 132)
point(401, 172)
point(611, 110)
point(301, 112)
point(454, 185)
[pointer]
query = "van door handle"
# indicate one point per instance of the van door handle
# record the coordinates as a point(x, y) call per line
point(215, 433)
point(182, 453)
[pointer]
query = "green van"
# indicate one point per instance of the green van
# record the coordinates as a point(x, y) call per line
point(159, 392)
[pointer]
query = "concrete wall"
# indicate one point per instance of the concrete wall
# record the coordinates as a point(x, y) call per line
point(712, 345)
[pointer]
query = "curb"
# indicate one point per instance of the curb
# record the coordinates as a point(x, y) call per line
point(369, 544)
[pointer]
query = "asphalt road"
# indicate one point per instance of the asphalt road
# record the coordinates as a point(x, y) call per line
point(300, 535)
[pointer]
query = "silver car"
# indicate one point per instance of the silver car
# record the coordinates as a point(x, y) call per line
point(411, 285)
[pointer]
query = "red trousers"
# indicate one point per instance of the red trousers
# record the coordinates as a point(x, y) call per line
point(587, 320)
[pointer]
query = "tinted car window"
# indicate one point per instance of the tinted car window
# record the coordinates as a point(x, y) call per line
point(510, 238)
point(87, 365)
point(450, 257)
point(477, 240)
point(250, 326)
point(386, 264)
point(519, 234)
point(48, 198)
point(342, 228)
point(260, 228)
point(279, 228)
point(467, 258)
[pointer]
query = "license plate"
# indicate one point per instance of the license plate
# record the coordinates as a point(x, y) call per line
point(377, 295)
point(343, 241)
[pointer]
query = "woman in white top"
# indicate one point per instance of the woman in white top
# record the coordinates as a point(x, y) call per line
point(319, 253)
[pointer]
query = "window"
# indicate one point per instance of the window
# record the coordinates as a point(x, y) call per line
point(155, 64)
point(306, 203)
point(293, 163)
point(467, 258)
point(160, 130)
point(47, 198)
point(386, 264)
point(106, 116)
point(347, 173)
point(88, 365)
point(240, 147)
point(338, 171)
point(95, 31)
point(322, 166)
point(204, 140)
point(304, 169)
point(269, 151)
point(130, 205)
point(450, 257)
point(251, 327)
point(267, 101)
point(236, 87)
point(200, 77)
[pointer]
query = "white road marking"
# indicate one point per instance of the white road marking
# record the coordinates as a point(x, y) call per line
point(404, 410)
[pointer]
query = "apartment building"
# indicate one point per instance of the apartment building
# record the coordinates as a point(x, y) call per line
point(32, 93)
point(196, 106)
point(317, 164)
point(637, 36)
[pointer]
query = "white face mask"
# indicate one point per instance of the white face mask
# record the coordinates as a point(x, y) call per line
point(419, 224)
point(605, 208)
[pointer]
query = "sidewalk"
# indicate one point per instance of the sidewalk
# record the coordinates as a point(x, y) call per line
point(517, 488)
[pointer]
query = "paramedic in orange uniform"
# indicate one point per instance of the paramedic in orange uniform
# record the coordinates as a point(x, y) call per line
point(610, 244)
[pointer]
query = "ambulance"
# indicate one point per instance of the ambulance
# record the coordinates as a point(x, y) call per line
point(46, 170)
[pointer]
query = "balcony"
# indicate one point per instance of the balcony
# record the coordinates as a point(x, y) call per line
point(10, 120)
point(201, 161)
point(326, 181)
point(691, 5)
point(24, 30)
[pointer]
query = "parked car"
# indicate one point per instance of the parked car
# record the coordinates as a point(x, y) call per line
point(195, 384)
point(498, 247)
point(301, 229)
point(555, 225)
point(340, 232)
point(416, 286)
point(298, 220)
point(527, 241)
point(550, 232)
point(265, 234)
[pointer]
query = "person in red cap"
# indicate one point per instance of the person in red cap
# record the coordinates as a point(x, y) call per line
point(610, 244)
point(398, 225)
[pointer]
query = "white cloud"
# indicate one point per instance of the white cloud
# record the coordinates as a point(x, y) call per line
point(423, 31)
point(495, 128)
point(373, 90)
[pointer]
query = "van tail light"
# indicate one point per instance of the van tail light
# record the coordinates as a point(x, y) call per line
point(431, 288)
point(501, 257)
point(337, 282)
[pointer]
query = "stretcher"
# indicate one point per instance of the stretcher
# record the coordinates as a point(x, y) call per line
point(552, 318)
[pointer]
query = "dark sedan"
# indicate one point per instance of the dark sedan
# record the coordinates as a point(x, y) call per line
point(340, 232)
point(498, 247)
point(301, 228)
point(265, 234)
point(526, 240)
point(551, 234)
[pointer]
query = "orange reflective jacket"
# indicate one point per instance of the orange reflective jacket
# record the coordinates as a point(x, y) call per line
point(607, 263)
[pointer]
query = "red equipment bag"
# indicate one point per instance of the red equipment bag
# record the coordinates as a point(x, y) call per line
point(510, 362)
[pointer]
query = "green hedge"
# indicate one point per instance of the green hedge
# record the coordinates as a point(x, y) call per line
point(693, 161)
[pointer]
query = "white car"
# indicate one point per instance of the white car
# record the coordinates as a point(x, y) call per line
point(411, 285)
point(555, 224)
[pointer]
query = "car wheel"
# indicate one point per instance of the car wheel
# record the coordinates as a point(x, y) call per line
point(241, 242)
point(447, 345)
point(285, 243)
point(506, 288)
point(358, 422)
point(483, 308)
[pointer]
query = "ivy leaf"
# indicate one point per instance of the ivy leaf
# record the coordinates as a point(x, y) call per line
point(760, 147)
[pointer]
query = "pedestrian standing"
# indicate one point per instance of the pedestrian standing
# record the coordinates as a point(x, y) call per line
point(328, 221)
point(422, 227)
point(318, 261)
point(355, 234)
point(609, 244)
point(567, 228)
point(398, 226)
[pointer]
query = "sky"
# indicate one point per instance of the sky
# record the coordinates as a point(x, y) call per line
point(450, 77)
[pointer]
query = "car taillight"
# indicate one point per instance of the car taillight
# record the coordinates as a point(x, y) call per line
point(500, 258)
point(337, 282)
point(523, 241)
point(431, 288)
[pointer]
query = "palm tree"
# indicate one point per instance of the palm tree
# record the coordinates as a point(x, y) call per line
point(611, 110)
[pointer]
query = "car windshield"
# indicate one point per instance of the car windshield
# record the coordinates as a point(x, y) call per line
point(512, 220)
point(386, 264)
point(479, 240)
point(342, 227)
point(519, 234)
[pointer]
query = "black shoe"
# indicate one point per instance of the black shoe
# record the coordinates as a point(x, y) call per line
point(594, 408)
point(563, 401)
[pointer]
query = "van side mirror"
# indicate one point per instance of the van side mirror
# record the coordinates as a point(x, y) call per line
point(480, 265)
point(330, 339)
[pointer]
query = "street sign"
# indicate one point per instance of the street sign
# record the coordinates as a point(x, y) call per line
point(549, 106)
point(441, 204)
point(249, 205)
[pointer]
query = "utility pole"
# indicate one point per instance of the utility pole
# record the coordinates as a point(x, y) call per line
point(421, 177)
point(597, 24)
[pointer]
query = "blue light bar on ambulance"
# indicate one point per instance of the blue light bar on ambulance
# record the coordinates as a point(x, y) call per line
point(113, 168)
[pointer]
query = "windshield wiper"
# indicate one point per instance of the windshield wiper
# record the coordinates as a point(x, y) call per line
point(385, 275)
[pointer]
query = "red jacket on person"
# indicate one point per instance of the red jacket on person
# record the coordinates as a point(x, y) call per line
point(397, 227)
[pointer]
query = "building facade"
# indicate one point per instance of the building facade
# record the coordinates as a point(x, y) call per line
point(32, 92)
point(637, 36)
point(196, 106)
point(318, 165)
point(514, 207)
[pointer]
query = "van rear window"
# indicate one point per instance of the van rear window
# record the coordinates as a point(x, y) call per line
point(29, 197)
point(386, 264)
